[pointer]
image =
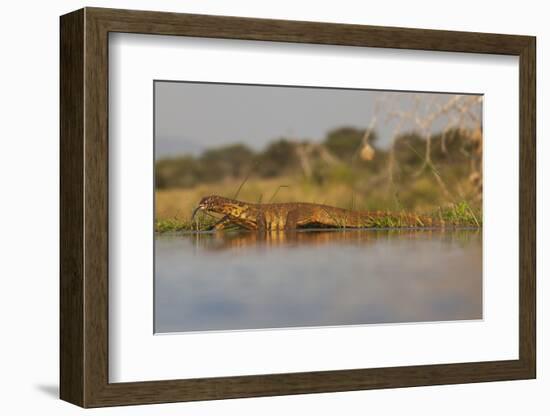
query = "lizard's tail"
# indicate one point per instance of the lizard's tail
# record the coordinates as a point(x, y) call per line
point(380, 219)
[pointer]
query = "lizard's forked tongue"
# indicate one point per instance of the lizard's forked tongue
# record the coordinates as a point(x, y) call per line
point(195, 212)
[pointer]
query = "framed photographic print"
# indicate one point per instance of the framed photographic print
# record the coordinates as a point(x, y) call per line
point(255, 207)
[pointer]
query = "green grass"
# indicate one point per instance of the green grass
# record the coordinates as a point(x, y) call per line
point(388, 220)
point(202, 223)
point(171, 224)
point(460, 214)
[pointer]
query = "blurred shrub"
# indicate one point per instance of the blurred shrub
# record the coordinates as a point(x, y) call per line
point(227, 161)
point(345, 142)
point(213, 165)
point(396, 177)
point(278, 158)
point(182, 172)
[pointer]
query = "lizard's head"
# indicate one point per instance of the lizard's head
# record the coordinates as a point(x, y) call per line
point(213, 203)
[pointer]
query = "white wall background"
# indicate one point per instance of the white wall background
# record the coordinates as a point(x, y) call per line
point(29, 160)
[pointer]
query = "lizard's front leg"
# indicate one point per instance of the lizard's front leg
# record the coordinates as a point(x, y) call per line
point(221, 224)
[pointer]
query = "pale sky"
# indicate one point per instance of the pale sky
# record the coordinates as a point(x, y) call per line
point(192, 117)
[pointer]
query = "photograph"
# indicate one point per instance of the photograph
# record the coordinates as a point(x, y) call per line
point(275, 204)
point(284, 206)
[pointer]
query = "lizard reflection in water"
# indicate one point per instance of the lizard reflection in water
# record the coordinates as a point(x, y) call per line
point(294, 215)
point(239, 239)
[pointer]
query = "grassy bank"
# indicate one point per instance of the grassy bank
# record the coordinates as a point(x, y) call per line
point(456, 215)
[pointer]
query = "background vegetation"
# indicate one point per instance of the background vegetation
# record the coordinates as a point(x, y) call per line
point(419, 171)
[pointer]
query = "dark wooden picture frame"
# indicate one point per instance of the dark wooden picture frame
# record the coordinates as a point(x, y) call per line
point(84, 207)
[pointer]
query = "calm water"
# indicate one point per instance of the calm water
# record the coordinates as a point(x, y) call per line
point(247, 281)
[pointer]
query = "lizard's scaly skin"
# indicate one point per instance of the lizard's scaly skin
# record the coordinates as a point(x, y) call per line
point(293, 215)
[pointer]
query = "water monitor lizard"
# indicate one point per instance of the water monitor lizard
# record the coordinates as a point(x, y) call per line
point(293, 215)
